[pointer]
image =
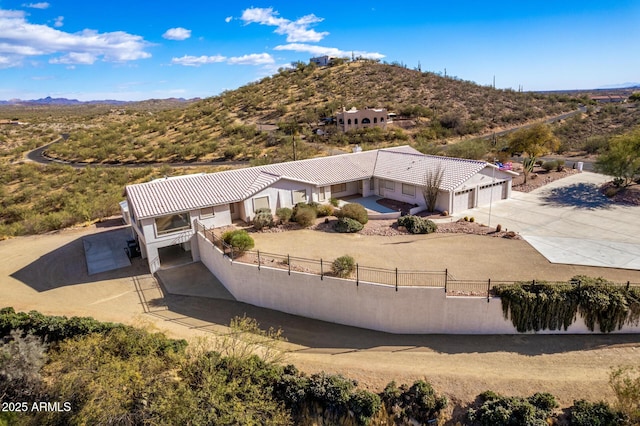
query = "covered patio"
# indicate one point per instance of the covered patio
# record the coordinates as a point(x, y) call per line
point(380, 207)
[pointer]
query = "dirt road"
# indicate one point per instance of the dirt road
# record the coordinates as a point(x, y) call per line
point(48, 273)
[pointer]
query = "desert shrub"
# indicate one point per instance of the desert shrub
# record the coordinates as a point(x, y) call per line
point(496, 410)
point(585, 413)
point(347, 225)
point(472, 219)
point(355, 211)
point(364, 405)
point(263, 219)
point(625, 383)
point(416, 404)
point(559, 165)
point(239, 240)
point(334, 201)
point(417, 225)
point(50, 328)
point(21, 359)
point(284, 214)
point(343, 266)
point(549, 165)
point(305, 216)
point(325, 210)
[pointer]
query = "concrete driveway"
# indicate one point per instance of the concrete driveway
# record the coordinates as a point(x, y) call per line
point(569, 221)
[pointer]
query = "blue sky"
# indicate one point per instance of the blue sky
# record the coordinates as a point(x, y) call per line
point(135, 50)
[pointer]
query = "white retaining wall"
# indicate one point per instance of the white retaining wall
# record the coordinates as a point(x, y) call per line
point(410, 310)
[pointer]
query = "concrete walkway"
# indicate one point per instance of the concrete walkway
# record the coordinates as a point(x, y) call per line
point(569, 221)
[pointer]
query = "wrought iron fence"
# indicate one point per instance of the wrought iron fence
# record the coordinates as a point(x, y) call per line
point(392, 277)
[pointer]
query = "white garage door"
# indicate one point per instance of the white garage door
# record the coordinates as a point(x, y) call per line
point(490, 193)
point(463, 200)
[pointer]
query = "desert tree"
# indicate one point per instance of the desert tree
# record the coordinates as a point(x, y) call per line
point(621, 159)
point(533, 141)
point(431, 186)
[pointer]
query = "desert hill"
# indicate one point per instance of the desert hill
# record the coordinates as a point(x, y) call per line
point(257, 121)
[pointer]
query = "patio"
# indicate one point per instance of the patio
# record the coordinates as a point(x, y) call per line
point(378, 207)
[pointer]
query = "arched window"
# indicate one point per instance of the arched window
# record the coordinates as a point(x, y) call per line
point(366, 121)
point(349, 122)
point(355, 121)
point(375, 120)
point(381, 119)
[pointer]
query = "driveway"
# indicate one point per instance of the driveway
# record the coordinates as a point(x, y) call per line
point(569, 221)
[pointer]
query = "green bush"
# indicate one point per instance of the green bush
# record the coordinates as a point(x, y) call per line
point(417, 225)
point(549, 165)
point(354, 211)
point(347, 225)
point(284, 214)
point(585, 413)
point(263, 219)
point(343, 266)
point(416, 404)
point(496, 410)
point(239, 240)
point(325, 210)
point(305, 216)
point(334, 201)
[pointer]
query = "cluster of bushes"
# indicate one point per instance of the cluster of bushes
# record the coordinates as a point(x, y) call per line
point(492, 409)
point(351, 218)
point(116, 374)
point(417, 224)
point(263, 219)
point(305, 214)
point(548, 306)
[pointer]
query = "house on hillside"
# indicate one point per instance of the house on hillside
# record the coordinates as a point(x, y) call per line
point(361, 119)
point(322, 61)
point(163, 212)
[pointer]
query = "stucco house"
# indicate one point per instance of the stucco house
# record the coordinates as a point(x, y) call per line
point(162, 212)
point(363, 118)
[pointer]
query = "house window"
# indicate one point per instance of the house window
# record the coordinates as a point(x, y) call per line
point(408, 190)
point(341, 121)
point(172, 223)
point(390, 185)
point(355, 121)
point(260, 203)
point(207, 212)
point(349, 121)
point(381, 119)
point(341, 187)
point(321, 194)
point(299, 196)
point(375, 120)
point(366, 121)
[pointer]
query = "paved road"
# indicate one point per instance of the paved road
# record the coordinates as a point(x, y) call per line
point(38, 156)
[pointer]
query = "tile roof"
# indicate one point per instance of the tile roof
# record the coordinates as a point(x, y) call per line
point(404, 164)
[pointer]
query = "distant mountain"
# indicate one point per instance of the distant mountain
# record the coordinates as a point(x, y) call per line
point(64, 101)
point(621, 86)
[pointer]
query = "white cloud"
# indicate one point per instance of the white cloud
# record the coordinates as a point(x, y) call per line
point(196, 61)
point(296, 31)
point(41, 5)
point(252, 59)
point(177, 34)
point(75, 58)
point(329, 51)
point(228, 19)
point(21, 39)
point(59, 22)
